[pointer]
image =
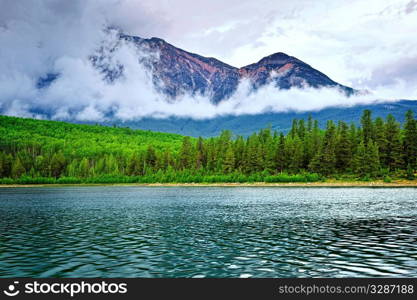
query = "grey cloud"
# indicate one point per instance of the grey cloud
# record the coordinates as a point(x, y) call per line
point(59, 36)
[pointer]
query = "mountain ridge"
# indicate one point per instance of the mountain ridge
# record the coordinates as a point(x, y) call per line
point(178, 71)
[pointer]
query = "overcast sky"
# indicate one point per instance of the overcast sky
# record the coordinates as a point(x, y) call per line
point(359, 43)
point(368, 44)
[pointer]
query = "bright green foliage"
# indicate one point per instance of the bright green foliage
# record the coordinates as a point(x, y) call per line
point(34, 151)
point(17, 168)
point(343, 148)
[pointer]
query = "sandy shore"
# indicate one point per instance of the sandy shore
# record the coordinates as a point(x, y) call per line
point(330, 183)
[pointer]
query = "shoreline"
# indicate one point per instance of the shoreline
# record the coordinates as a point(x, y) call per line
point(328, 184)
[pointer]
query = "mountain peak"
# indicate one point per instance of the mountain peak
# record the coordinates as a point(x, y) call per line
point(156, 39)
point(177, 72)
point(278, 58)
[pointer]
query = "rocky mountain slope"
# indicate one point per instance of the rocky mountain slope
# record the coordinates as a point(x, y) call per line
point(177, 71)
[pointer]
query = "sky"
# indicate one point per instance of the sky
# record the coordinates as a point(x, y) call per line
point(359, 43)
point(364, 44)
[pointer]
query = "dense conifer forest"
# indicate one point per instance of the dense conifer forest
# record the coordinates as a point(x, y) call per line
point(38, 151)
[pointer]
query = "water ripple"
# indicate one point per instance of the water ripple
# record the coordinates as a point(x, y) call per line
point(207, 232)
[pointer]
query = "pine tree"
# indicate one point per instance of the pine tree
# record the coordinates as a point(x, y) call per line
point(381, 139)
point(394, 154)
point(325, 161)
point(366, 160)
point(343, 148)
point(410, 140)
point(229, 160)
point(150, 157)
point(186, 157)
point(294, 128)
point(316, 137)
point(201, 159)
point(252, 156)
point(359, 160)
point(372, 159)
point(301, 132)
point(310, 123)
point(367, 126)
point(294, 149)
point(280, 157)
point(239, 153)
point(211, 156)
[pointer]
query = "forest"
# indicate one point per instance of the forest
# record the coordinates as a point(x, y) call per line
point(41, 152)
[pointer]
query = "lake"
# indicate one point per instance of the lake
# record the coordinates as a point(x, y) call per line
point(208, 232)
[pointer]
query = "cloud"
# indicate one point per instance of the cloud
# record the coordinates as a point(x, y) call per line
point(58, 37)
point(347, 40)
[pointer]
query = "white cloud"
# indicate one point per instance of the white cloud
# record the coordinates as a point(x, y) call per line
point(58, 37)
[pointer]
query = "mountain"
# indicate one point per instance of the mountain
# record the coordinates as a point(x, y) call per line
point(247, 124)
point(177, 71)
point(287, 72)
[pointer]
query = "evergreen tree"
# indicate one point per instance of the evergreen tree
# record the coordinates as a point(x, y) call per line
point(150, 157)
point(252, 156)
point(410, 140)
point(201, 159)
point(239, 153)
point(294, 149)
point(229, 160)
point(372, 157)
point(381, 139)
point(186, 157)
point(367, 126)
point(301, 132)
point(368, 151)
point(294, 128)
point(343, 148)
point(394, 154)
point(280, 157)
point(325, 160)
point(366, 160)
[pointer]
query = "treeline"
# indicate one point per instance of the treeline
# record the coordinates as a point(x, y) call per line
point(377, 148)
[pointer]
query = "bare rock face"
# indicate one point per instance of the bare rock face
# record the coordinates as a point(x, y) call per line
point(177, 71)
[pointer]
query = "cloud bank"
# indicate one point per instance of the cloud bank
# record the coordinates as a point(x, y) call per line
point(58, 37)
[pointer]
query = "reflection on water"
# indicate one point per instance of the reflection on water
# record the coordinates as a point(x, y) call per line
point(207, 232)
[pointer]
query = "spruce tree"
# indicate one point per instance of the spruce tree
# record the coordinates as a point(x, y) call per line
point(325, 161)
point(186, 157)
point(394, 153)
point(410, 140)
point(295, 154)
point(372, 159)
point(367, 126)
point(343, 148)
point(359, 160)
point(280, 157)
point(201, 159)
point(229, 160)
point(381, 140)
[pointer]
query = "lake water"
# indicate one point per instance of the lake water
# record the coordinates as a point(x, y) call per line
point(208, 232)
